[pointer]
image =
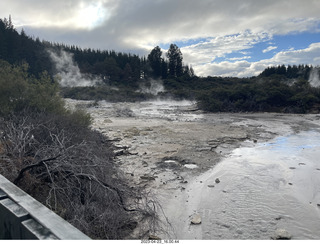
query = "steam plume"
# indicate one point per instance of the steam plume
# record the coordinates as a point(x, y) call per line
point(152, 86)
point(314, 77)
point(68, 71)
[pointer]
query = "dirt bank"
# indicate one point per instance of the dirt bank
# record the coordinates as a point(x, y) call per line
point(164, 146)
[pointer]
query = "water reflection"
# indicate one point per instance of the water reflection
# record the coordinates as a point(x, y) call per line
point(272, 185)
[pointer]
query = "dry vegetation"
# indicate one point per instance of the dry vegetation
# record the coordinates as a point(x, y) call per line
point(53, 155)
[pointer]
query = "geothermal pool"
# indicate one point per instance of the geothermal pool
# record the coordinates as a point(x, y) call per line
point(268, 166)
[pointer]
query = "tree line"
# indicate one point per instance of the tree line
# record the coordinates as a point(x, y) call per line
point(278, 88)
point(113, 67)
point(290, 71)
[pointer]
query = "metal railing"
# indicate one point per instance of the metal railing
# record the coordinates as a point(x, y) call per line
point(23, 217)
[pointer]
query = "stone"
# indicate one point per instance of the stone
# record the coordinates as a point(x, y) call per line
point(107, 121)
point(196, 219)
point(217, 180)
point(211, 186)
point(147, 177)
point(281, 234)
point(154, 237)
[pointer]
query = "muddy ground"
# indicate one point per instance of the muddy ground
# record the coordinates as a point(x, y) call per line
point(163, 146)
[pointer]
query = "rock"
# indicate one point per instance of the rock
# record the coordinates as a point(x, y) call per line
point(211, 186)
point(318, 204)
point(107, 121)
point(154, 237)
point(147, 177)
point(196, 219)
point(119, 152)
point(281, 234)
point(217, 180)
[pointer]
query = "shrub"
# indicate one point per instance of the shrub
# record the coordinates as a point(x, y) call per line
point(20, 91)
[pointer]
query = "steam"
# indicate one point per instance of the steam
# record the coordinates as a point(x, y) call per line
point(68, 71)
point(152, 86)
point(314, 77)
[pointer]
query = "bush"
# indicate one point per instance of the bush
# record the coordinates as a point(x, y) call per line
point(19, 91)
point(70, 169)
point(53, 155)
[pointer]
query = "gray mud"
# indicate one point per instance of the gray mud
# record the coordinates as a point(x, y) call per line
point(265, 162)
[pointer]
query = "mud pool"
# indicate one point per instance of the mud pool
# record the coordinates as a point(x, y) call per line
point(243, 175)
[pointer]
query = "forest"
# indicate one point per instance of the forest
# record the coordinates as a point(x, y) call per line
point(283, 88)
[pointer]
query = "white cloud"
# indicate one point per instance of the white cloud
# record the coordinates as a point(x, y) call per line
point(309, 55)
point(239, 58)
point(143, 23)
point(230, 69)
point(220, 46)
point(228, 26)
point(270, 48)
point(68, 14)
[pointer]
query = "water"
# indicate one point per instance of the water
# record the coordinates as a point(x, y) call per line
point(263, 188)
point(169, 110)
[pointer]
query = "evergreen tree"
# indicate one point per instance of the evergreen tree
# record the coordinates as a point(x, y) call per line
point(155, 61)
point(175, 61)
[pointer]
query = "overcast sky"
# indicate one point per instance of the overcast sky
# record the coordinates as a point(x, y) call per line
point(216, 37)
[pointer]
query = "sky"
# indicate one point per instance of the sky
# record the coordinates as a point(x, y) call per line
point(216, 37)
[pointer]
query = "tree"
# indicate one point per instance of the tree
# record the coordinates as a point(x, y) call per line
point(164, 69)
point(8, 23)
point(155, 60)
point(175, 61)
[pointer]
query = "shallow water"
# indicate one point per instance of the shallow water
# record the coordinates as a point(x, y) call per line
point(170, 110)
point(263, 188)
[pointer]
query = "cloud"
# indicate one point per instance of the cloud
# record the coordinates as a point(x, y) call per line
point(242, 68)
point(69, 14)
point(143, 23)
point(239, 58)
point(220, 46)
point(225, 26)
point(270, 48)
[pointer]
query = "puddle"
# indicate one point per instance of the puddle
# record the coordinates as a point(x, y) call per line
point(271, 186)
point(169, 110)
